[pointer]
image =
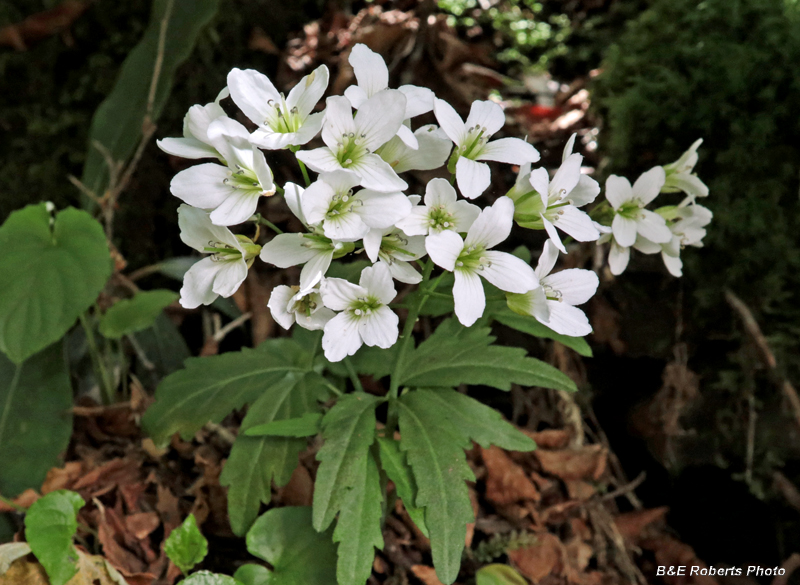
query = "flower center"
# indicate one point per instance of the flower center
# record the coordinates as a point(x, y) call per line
point(306, 305)
point(440, 218)
point(243, 178)
point(341, 204)
point(551, 293)
point(474, 142)
point(284, 120)
point(631, 209)
point(350, 149)
point(393, 245)
point(471, 259)
point(364, 306)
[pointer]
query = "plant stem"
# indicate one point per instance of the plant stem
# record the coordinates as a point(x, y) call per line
point(405, 341)
point(11, 503)
point(270, 225)
point(351, 371)
point(303, 169)
point(97, 360)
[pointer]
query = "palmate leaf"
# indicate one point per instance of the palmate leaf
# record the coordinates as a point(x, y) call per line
point(527, 324)
point(347, 482)
point(456, 355)
point(209, 388)
point(51, 271)
point(393, 462)
point(435, 450)
point(255, 462)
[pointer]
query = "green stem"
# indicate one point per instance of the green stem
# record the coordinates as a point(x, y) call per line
point(12, 504)
point(278, 188)
point(351, 371)
point(303, 169)
point(97, 360)
point(270, 225)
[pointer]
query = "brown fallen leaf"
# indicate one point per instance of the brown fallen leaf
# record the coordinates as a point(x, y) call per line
point(426, 574)
point(588, 462)
point(59, 478)
point(539, 560)
point(580, 490)
point(506, 482)
point(142, 524)
point(631, 524)
point(671, 551)
point(42, 25)
point(549, 438)
point(24, 500)
point(92, 570)
point(300, 489)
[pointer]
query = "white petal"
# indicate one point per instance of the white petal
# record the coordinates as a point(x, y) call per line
point(416, 223)
point(250, 91)
point(533, 302)
point(379, 328)
point(338, 121)
point(197, 283)
point(316, 320)
point(278, 304)
point(305, 95)
point(407, 136)
point(486, 114)
point(370, 69)
point(372, 243)
point(263, 172)
point(197, 230)
point(568, 147)
point(618, 257)
point(316, 200)
point(230, 275)
point(464, 215)
point(376, 174)
point(201, 185)
point(576, 285)
point(552, 233)
point(439, 192)
point(547, 260)
point(380, 117)
point(473, 177)
point(315, 268)
point(645, 246)
point(293, 194)
point(513, 151)
point(404, 272)
point(197, 119)
point(653, 227)
point(382, 210)
point(377, 280)
point(540, 181)
point(338, 294)
point(576, 223)
point(419, 100)
point(450, 121)
point(509, 273)
point(649, 184)
point(624, 230)
point(340, 181)
point(225, 127)
point(286, 250)
point(689, 184)
point(493, 224)
point(432, 152)
point(568, 320)
point(674, 264)
point(468, 296)
point(356, 96)
point(618, 191)
point(237, 208)
point(309, 129)
point(341, 337)
point(321, 160)
point(585, 192)
point(444, 248)
point(187, 148)
point(345, 227)
point(567, 176)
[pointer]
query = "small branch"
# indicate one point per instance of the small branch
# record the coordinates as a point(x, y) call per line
point(351, 371)
point(223, 331)
point(625, 489)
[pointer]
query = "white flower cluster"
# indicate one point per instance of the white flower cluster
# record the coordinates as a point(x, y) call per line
point(357, 205)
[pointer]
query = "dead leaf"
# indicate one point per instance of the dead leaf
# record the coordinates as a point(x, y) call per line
point(631, 524)
point(588, 462)
point(538, 561)
point(260, 41)
point(41, 25)
point(59, 478)
point(580, 490)
point(141, 525)
point(24, 500)
point(671, 551)
point(426, 574)
point(506, 482)
point(549, 438)
point(300, 489)
point(92, 570)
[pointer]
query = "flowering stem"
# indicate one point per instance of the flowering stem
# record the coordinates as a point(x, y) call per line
point(301, 165)
point(270, 225)
point(351, 371)
point(97, 360)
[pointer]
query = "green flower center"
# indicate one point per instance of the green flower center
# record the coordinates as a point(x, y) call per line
point(631, 209)
point(244, 179)
point(439, 218)
point(364, 306)
point(342, 203)
point(471, 259)
point(350, 149)
point(284, 119)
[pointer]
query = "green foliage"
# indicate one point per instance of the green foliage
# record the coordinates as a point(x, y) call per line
point(394, 463)
point(35, 418)
point(211, 387)
point(117, 123)
point(723, 70)
point(456, 355)
point(298, 554)
point(435, 450)
point(50, 524)
point(529, 325)
point(209, 578)
point(51, 271)
point(348, 482)
point(186, 546)
point(255, 462)
point(499, 544)
point(305, 426)
point(499, 575)
point(135, 314)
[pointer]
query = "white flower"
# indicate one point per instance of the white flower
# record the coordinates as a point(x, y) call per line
point(348, 216)
point(351, 142)
point(688, 230)
point(432, 151)
point(281, 121)
point(630, 216)
point(396, 249)
point(441, 211)
point(233, 191)
point(618, 257)
point(553, 302)
point(195, 142)
point(315, 251)
point(364, 316)
point(289, 304)
point(223, 271)
point(471, 258)
point(680, 177)
point(471, 140)
point(372, 76)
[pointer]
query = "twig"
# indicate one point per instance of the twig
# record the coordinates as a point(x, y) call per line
point(752, 328)
point(223, 331)
point(140, 353)
point(625, 489)
point(97, 410)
